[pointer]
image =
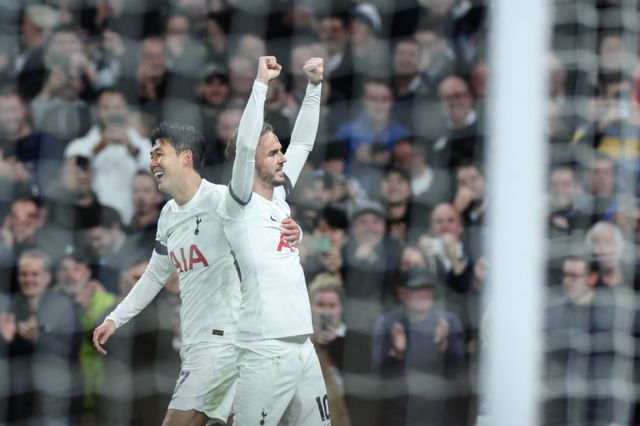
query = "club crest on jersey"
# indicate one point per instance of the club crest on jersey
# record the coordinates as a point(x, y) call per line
point(187, 262)
point(198, 220)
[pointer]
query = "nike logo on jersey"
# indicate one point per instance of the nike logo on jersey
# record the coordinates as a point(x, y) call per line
point(272, 218)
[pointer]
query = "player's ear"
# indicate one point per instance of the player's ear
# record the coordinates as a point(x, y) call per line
point(187, 157)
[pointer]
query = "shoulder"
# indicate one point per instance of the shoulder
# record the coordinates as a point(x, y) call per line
point(213, 187)
point(214, 190)
point(165, 213)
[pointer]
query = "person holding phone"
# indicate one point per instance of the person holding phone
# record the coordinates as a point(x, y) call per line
point(326, 296)
point(612, 126)
point(117, 151)
point(329, 331)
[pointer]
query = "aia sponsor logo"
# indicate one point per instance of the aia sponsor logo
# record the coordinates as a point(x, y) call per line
point(188, 259)
point(282, 244)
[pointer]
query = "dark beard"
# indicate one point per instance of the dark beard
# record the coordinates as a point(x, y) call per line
point(269, 179)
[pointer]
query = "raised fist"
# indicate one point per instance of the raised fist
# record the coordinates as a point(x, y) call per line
point(314, 68)
point(268, 69)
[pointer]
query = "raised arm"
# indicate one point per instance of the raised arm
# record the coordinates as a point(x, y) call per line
point(142, 293)
point(249, 131)
point(306, 127)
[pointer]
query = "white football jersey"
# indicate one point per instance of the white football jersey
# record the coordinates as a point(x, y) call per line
point(275, 302)
point(191, 241)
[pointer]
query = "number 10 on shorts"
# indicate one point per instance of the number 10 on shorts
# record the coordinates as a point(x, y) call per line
point(323, 406)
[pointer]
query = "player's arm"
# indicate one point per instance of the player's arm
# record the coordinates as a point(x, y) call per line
point(306, 127)
point(249, 131)
point(143, 292)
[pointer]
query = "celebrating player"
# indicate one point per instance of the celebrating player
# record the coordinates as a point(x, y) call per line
point(190, 241)
point(279, 373)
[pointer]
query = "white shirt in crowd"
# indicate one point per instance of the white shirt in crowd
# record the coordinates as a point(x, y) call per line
point(114, 168)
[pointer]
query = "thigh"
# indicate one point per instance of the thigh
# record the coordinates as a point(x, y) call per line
point(310, 405)
point(206, 382)
point(184, 418)
point(266, 385)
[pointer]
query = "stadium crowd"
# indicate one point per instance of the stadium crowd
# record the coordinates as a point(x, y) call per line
point(392, 201)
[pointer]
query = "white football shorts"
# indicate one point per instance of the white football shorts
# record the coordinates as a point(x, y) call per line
point(206, 382)
point(280, 383)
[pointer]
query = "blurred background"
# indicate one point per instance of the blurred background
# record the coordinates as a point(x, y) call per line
point(392, 201)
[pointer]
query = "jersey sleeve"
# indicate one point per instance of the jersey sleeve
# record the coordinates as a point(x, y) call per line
point(304, 132)
point(149, 285)
point(145, 290)
point(249, 131)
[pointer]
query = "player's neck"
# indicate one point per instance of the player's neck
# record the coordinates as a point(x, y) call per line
point(262, 188)
point(187, 188)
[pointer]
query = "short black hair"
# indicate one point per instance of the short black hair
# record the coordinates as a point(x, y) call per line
point(405, 39)
point(336, 150)
point(104, 217)
point(182, 138)
point(111, 90)
point(591, 264)
point(393, 169)
point(60, 29)
point(341, 16)
point(335, 217)
point(374, 81)
point(78, 256)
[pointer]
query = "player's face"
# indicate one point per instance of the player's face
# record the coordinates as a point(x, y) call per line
point(270, 160)
point(166, 166)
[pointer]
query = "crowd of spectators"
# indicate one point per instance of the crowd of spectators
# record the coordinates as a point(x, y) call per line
point(392, 201)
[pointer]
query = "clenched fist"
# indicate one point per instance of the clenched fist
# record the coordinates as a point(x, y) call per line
point(268, 69)
point(314, 68)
